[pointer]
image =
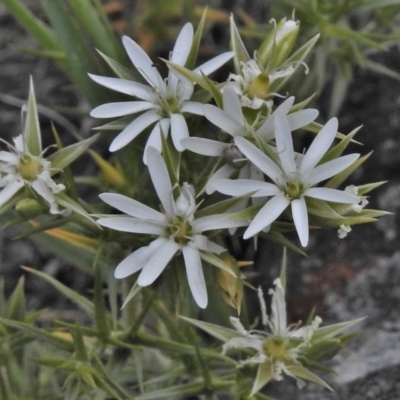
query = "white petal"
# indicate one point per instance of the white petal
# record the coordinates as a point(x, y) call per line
point(124, 86)
point(43, 190)
point(284, 144)
point(319, 146)
point(260, 160)
point(268, 214)
point(154, 139)
point(135, 261)
point(232, 105)
point(180, 52)
point(192, 107)
point(241, 187)
point(278, 308)
point(213, 64)
point(224, 172)
point(217, 221)
point(157, 262)
point(120, 109)
point(133, 129)
point(329, 169)
point(179, 130)
point(9, 158)
point(8, 192)
point(133, 225)
point(300, 219)
point(301, 118)
point(206, 147)
point(221, 119)
point(132, 207)
point(159, 176)
point(143, 63)
point(337, 196)
point(195, 276)
point(285, 107)
point(201, 242)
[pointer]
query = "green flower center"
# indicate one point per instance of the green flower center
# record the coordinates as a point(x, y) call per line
point(259, 87)
point(293, 190)
point(181, 231)
point(275, 347)
point(172, 105)
point(29, 167)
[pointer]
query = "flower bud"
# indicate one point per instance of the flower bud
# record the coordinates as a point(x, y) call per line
point(29, 208)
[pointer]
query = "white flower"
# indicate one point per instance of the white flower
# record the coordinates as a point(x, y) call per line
point(232, 121)
point(278, 348)
point(293, 175)
point(164, 101)
point(176, 229)
point(19, 168)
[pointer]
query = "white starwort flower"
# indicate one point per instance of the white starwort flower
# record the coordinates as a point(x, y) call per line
point(232, 121)
point(176, 228)
point(19, 168)
point(164, 101)
point(293, 175)
point(279, 347)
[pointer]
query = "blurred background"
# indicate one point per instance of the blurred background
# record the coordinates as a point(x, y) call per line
point(355, 77)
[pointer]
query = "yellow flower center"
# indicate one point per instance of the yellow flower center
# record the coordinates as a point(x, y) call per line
point(29, 167)
point(275, 347)
point(173, 105)
point(259, 87)
point(181, 231)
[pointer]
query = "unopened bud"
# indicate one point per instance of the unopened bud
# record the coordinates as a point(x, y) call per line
point(29, 208)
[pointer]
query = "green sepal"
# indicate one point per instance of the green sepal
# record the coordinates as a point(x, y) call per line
point(40, 334)
point(80, 348)
point(214, 89)
point(65, 156)
point(133, 292)
point(15, 308)
point(303, 373)
point(238, 47)
point(323, 349)
point(278, 238)
point(301, 105)
point(32, 135)
point(315, 127)
point(363, 189)
point(172, 158)
point(331, 331)
point(217, 262)
point(82, 302)
point(120, 70)
point(192, 57)
point(321, 209)
point(264, 375)
point(247, 213)
point(116, 125)
point(342, 176)
point(219, 332)
point(222, 206)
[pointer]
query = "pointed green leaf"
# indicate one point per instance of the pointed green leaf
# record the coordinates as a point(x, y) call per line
point(277, 237)
point(222, 206)
point(363, 189)
point(214, 89)
point(121, 71)
point(330, 331)
point(217, 262)
point(303, 373)
point(192, 58)
point(238, 47)
point(264, 375)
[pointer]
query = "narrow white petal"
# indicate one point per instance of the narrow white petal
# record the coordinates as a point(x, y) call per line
point(260, 160)
point(8, 192)
point(9, 158)
point(301, 118)
point(232, 105)
point(179, 130)
point(124, 86)
point(221, 119)
point(205, 147)
point(284, 144)
point(329, 169)
point(327, 194)
point(268, 214)
point(43, 190)
point(241, 187)
point(159, 176)
point(133, 225)
point(143, 63)
point(154, 139)
point(133, 129)
point(135, 261)
point(132, 207)
point(120, 109)
point(180, 52)
point(195, 276)
point(217, 221)
point(157, 262)
point(192, 107)
point(224, 172)
point(319, 146)
point(278, 308)
point(202, 242)
point(213, 64)
point(300, 219)
point(285, 107)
